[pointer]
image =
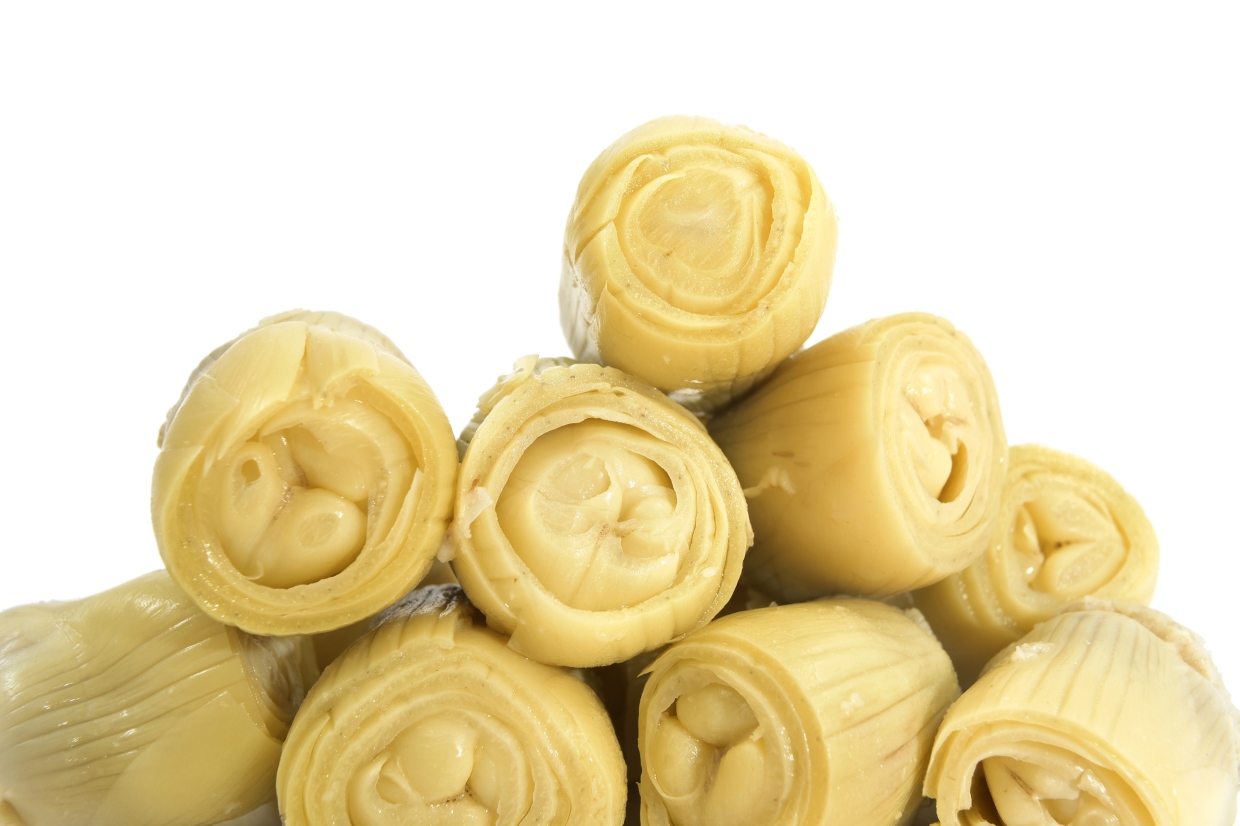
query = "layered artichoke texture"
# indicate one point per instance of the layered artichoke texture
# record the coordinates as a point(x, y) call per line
point(693, 575)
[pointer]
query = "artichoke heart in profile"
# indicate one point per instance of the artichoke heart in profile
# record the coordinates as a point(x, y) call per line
point(819, 713)
point(1106, 715)
point(431, 719)
point(872, 461)
point(134, 708)
point(305, 478)
point(697, 257)
point(595, 519)
point(1067, 530)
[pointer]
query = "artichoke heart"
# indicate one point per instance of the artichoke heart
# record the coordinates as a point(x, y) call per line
point(305, 478)
point(134, 708)
point(1067, 530)
point(595, 519)
point(872, 461)
point(1108, 714)
point(818, 713)
point(431, 719)
point(697, 257)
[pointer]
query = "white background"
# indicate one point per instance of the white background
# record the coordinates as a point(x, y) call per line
point(1060, 180)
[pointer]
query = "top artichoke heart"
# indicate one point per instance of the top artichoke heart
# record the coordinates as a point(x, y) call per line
point(697, 257)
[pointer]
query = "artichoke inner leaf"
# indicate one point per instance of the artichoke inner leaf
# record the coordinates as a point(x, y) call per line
point(1070, 545)
point(299, 501)
point(594, 517)
point(708, 757)
point(938, 423)
point(1028, 794)
point(438, 770)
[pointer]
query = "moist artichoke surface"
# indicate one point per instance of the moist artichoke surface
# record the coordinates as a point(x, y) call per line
point(818, 713)
point(697, 257)
point(1066, 531)
point(431, 719)
point(872, 461)
point(595, 519)
point(1105, 714)
point(134, 707)
point(305, 478)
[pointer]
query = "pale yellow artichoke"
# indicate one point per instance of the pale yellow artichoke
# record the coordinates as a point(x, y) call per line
point(595, 519)
point(304, 479)
point(134, 708)
point(431, 719)
point(816, 714)
point(872, 461)
point(1067, 530)
point(697, 257)
point(1105, 715)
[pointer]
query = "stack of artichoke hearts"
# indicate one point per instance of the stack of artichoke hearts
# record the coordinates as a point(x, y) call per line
point(770, 569)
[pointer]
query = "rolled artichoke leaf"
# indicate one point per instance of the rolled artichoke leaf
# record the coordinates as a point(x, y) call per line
point(1067, 530)
point(430, 718)
point(321, 408)
point(697, 256)
point(806, 690)
point(134, 707)
point(1108, 713)
point(589, 547)
point(904, 413)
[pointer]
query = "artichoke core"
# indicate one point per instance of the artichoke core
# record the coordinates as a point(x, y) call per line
point(297, 504)
point(437, 770)
point(939, 424)
point(1064, 793)
point(1069, 545)
point(696, 235)
point(708, 758)
point(597, 520)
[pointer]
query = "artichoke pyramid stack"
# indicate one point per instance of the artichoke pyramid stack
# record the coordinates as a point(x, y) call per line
point(365, 621)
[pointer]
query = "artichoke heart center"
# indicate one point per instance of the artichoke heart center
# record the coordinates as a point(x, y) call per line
point(297, 502)
point(708, 759)
point(1070, 545)
point(1025, 793)
point(695, 228)
point(595, 518)
point(939, 426)
point(437, 770)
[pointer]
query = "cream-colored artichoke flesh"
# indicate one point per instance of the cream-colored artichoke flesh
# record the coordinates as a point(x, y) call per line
point(697, 257)
point(872, 461)
point(1066, 530)
point(431, 719)
point(1105, 715)
point(595, 519)
point(818, 713)
point(305, 478)
point(134, 708)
